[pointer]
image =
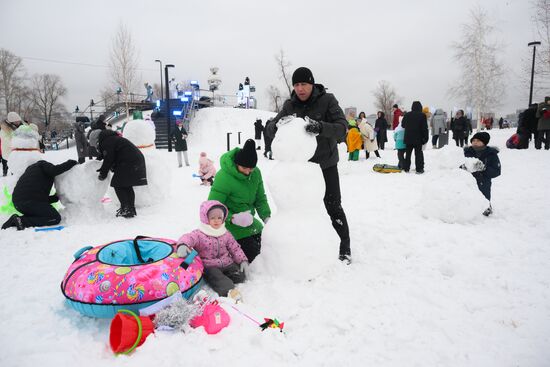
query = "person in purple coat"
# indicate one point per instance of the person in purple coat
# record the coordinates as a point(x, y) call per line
point(225, 263)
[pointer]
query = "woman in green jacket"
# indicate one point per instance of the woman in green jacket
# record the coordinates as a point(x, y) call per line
point(239, 186)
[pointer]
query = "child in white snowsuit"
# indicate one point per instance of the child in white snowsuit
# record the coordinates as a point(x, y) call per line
point(225, 263)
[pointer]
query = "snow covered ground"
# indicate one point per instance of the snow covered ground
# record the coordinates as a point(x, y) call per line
point(433, 282)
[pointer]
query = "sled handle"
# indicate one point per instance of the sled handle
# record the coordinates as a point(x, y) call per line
point(81, 251)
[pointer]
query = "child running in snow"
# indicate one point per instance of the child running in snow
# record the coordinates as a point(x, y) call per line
point(225, 263)
point(488, 166)
point(207, 171)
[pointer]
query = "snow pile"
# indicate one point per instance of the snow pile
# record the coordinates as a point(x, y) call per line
point(292, 143)
point(80, 191)
point(24, 150)
point(142, 134)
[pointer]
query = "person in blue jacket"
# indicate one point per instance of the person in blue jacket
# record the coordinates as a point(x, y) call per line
point(489, 167)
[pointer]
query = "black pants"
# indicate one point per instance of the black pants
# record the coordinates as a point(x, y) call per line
point(222, 280)
point(401, 158)
point(460, 142)
point(367, 155)
point(434, 140)
point(4, 167)
point(543, 136)
point(333, 205)
point(381, 144)
point(126, 196)
point(418, 158)
point(37, 214)
point(251, 246)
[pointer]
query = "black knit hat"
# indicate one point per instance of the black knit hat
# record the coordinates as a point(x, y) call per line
point(483, 136)
point(302, 75)
point(247, 156)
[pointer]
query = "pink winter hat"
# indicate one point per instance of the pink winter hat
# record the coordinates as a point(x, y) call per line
point(209, 205)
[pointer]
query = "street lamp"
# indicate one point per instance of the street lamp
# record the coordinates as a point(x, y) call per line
point(169, 117)
point(161, 88)
point(534, 44)
point(76, 110)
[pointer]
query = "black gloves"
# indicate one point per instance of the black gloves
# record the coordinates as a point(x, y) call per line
point(72, 162)
point(313, 127)
point(270, 129)
point(101, 177)
point(53, 198)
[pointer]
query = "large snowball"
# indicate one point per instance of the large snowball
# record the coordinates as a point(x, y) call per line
point(80, 191)
point(292, 143)
point(25, 152)
point(452, 195)
point(140, 132)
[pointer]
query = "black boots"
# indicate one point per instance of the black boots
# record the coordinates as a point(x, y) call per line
point(126, 212)
point(14, 221)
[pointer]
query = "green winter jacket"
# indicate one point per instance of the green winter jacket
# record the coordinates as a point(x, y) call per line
point(240, 193)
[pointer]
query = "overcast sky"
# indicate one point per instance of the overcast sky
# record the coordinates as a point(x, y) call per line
point(349, 45)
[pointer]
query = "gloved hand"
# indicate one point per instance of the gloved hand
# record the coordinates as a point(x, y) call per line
point(270, 129)
point(242, 219)
point(245, 268)
point(479, 166)
point(73, 162)
point(183, 250)
point(53, 198)
point(266, 220)
point(313, 127)
point(101, 177)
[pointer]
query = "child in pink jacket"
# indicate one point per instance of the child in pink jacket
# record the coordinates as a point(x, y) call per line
point(207, 171)
point(225, 263)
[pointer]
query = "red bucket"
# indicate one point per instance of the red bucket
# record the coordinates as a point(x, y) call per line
point(129, 331)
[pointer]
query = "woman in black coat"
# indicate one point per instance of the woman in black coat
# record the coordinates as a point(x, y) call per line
point(381, 128)
point(180, 137)
point(459, 126)
point(128, 164)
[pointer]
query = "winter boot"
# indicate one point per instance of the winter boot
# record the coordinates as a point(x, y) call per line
point(120, 210)
point(345, 252)
point(13, 221)
point(128, 212)
point(488, 211)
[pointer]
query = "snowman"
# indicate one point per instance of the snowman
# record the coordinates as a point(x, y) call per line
point(25, 151)
point(452, 195)
point(142, 134)
point(299, 240)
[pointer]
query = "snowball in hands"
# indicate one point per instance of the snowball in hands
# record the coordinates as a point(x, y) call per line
point(474, 165)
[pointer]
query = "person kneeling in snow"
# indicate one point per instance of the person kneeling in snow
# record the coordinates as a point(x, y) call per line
point(31, 196)
point(207, 171)
point(488, 167)
point(239, 186)
point(224, 261)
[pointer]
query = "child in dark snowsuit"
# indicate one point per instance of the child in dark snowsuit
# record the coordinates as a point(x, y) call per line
point(490, 167)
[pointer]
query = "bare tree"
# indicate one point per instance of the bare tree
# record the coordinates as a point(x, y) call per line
point(283, 65)
point(541, 20)
point(276, 101)
point(47, 89)
point(385, 97)
point(124, 63)
point(11, 80)
point(481, 84)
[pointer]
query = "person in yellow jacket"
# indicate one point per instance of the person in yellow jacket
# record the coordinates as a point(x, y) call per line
point(354, 142)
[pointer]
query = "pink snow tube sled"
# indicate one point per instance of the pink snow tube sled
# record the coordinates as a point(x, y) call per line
point(129, 274)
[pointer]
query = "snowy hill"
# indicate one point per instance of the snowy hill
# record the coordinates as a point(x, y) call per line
point(433, 282)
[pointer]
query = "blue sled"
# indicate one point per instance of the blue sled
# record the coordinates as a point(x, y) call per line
point(43, 229)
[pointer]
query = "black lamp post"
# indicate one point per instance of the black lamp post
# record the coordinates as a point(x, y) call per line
point(534, 44)
point(169, 115)
point(161, 88)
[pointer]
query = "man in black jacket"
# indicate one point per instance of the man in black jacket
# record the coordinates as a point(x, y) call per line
point(415, 124)
point(327, 122)
point(31, 196)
